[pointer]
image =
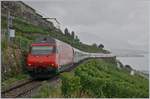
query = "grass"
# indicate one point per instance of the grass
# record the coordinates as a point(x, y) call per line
point(48, 90)
point(11, 80)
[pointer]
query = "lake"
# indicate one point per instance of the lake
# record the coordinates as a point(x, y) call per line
point(137, 63)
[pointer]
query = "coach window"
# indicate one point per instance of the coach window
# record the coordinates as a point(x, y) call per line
point(57, 50)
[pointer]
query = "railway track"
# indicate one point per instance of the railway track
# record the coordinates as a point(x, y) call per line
point(24, 88)
point(20, 88)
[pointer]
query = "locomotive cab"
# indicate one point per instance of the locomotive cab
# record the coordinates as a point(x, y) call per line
point(42, 57)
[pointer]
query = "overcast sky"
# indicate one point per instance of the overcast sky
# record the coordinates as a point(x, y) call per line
point(117, 24)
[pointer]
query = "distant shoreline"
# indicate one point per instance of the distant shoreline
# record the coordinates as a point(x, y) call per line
point(139, 62)
point(130, 55)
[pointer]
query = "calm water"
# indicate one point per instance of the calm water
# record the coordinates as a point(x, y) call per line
point(138, 63)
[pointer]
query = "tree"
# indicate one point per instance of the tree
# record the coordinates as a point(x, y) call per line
point(72, 34)
point(128, 67)
point(66, 32)
point(101, 46)
point(77, 39)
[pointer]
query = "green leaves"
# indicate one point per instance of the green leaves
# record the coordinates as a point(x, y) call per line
point(70, 85)
point(101, 78)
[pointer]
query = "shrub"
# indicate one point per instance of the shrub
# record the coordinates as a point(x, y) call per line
point(101, 78)
point(70, 85)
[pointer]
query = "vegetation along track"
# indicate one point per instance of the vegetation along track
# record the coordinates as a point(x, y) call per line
point(20, 88)
point(25, 88)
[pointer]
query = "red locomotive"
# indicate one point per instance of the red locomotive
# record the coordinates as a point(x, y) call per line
point(49, 55)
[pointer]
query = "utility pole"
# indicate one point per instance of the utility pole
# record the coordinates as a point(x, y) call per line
point(10, 30)
point(8, 17)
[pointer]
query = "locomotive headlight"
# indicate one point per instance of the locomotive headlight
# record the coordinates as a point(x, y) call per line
point(52, 64)
point(29, 64)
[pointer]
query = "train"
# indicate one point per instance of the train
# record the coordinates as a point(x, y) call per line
point(48, 56)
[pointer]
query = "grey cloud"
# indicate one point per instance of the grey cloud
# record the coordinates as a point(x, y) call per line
point(116, 23)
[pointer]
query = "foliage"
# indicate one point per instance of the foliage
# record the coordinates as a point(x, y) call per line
point(3, 22)
point(22, 42)
point(4, 44)
point(13, 79)
point(99, 79)
point(48, 90)
point(94, 45)
point(101, 46)
point(44, 91)
point(66, 32)
point(70, 85)
point(72, 34)
point(103, 79)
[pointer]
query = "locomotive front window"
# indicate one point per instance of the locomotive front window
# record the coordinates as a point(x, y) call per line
point(42, 50)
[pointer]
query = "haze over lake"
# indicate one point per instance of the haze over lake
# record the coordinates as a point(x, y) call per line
point(138, 63)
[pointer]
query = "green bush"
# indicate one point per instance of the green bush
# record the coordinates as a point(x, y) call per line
point(101, 78)
point(4, 44)
point(23, 43)
point(44, 91)
point(70, 85)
